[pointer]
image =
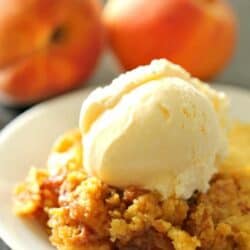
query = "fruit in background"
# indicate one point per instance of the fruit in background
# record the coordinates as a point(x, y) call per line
point(47, 47)
point(199, 35)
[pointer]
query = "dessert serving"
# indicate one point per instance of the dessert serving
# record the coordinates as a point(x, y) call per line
point(155, 164)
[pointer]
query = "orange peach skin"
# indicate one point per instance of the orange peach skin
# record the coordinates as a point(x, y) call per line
point(200, 35)
point(47, 47)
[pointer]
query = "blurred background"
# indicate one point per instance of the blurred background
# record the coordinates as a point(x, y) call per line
point(238, 71)
point(70, 61)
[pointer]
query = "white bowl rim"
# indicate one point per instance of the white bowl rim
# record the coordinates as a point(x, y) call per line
point(26, 114)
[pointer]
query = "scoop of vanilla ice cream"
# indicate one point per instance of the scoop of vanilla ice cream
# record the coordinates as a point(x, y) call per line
point(157, 128)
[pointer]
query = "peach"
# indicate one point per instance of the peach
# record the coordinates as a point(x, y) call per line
point(199, 35)
point(47, 47)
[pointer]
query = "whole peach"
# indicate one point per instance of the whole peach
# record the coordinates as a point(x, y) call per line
point(199, 35)
point(47, 47)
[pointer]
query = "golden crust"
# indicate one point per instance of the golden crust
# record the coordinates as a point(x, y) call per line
point(239, 148)
point(84, 213)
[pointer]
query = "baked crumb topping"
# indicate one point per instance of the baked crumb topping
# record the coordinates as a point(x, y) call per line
point(81, 212)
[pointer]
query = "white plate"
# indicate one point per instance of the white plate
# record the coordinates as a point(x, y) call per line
point(27, 140)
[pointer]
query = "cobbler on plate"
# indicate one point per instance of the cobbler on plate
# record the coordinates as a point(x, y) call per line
point(81, 212)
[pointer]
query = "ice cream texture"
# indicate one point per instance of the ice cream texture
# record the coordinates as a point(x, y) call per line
point(157, 128)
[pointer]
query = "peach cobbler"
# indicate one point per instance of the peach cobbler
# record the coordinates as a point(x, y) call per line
point(84, 213)
point(149, 169)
